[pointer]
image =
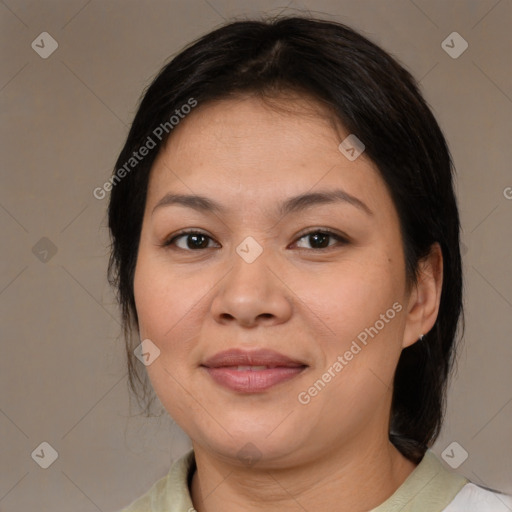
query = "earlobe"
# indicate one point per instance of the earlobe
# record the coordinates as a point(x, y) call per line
point(425, 297)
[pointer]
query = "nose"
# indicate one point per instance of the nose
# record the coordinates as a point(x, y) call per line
point(252, 294)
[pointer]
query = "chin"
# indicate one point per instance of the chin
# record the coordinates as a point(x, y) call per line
point(253, 447)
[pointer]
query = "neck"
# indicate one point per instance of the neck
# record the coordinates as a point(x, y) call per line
point(345, 480)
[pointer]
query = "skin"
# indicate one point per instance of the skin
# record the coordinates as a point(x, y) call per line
point(306, 302)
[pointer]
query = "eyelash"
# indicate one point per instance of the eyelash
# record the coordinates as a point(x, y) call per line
point(341, 239)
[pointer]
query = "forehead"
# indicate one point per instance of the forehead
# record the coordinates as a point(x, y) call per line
point(247, 150)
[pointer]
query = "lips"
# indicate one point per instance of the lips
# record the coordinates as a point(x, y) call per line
point(252, 371)
point(238, 357)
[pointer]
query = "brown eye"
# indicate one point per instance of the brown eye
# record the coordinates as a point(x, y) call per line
point(193, 240)
point(319, 239)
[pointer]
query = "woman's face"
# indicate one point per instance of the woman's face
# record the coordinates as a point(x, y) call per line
point(334, 306)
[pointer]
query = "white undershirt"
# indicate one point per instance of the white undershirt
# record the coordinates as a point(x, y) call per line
point(472, 498)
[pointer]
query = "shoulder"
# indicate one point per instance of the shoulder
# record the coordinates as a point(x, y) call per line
point(145, 502)
point(170, 493)
point(473, 498)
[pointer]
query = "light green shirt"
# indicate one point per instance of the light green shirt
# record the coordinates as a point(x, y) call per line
point(429, 488)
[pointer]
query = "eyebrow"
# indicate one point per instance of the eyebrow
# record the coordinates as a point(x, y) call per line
point(290, 205)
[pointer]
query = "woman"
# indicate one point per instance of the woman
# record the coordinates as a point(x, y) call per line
point(286, 246)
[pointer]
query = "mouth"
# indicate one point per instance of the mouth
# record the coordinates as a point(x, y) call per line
point(252, 371)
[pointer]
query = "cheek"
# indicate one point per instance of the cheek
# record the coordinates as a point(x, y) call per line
point(166, 316)
point(363, 308)
point(361, 305)
point(150, 302)
point(350, 296)
point(171, 308)
point(161, 297)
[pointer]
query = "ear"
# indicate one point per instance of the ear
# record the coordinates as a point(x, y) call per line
point(425, 297)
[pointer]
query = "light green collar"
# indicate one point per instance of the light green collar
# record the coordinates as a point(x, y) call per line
point(429, 488)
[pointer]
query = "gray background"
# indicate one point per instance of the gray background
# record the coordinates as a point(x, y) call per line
point(64, 119)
